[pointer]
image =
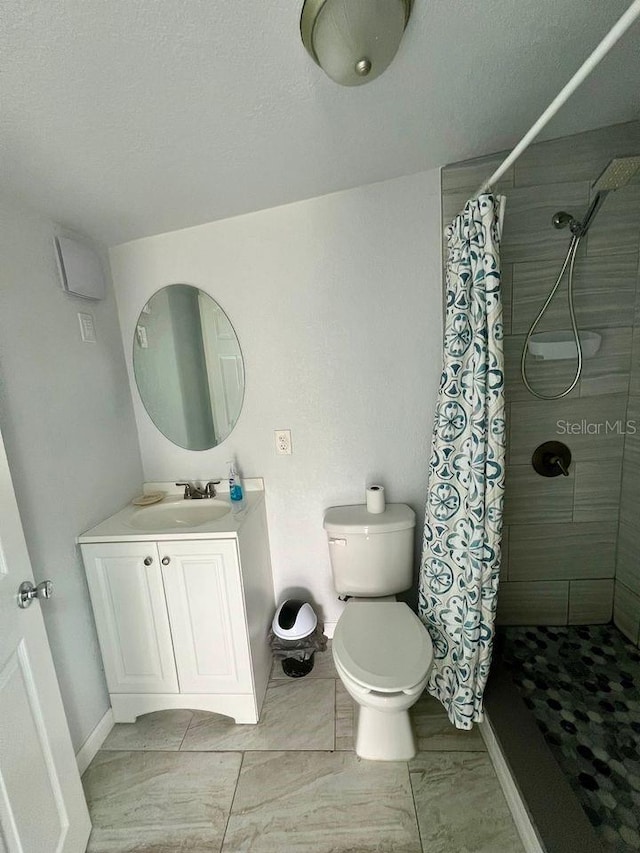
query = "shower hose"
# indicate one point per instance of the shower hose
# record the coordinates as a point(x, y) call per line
point(569, 261)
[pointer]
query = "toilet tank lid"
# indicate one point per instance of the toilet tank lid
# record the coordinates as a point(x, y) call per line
point(357, 520)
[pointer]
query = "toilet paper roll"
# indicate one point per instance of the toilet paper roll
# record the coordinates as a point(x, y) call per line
point(375, 499)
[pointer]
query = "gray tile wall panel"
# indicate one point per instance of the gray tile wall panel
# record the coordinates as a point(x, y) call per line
point(537, 603)
point(626, 612)
point(589, 427)
point(469, 175)
point(562, 551)
point(634, 379)
point(597, 490)
point(580, 158)
point(604, 287)
point(531, 499)
point(547, 377)
point(528, 233)
point(609, 368)
point(628, 566)
point(617, 226)
point(590, 602)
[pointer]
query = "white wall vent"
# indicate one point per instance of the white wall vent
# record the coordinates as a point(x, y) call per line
point(80, 268)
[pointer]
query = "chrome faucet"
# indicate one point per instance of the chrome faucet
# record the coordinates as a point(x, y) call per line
point(193, 492)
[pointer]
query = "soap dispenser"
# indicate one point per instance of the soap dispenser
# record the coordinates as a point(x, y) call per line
point(236, 492)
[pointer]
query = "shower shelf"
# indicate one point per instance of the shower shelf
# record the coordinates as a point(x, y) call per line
point(555, 346)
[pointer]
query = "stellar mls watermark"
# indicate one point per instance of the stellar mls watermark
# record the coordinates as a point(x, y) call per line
point(585, 427)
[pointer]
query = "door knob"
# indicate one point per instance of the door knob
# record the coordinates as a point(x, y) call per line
point(27, 592)
point(148, 561)
point(166, 561)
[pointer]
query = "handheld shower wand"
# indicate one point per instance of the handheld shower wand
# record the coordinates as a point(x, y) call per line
point(616, 174)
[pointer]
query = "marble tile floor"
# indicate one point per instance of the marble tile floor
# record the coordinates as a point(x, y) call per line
point(190, 781)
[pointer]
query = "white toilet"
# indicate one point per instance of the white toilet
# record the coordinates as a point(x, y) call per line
point(382, 651)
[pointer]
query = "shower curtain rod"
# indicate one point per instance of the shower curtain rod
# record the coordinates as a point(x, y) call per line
point(613, 36)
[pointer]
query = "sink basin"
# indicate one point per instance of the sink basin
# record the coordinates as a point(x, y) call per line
point(178, 514)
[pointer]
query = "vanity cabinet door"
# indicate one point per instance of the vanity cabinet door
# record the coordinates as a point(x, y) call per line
point(125, 582)
point(206, 610)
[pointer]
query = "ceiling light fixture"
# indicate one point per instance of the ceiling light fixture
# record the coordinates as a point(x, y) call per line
point(353, 41)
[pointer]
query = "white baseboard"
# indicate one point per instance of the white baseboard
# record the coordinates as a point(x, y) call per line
point(329, 628)
point(516, 804)
point(88, 750)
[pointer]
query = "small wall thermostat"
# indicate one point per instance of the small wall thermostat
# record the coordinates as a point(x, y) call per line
point(87, 328)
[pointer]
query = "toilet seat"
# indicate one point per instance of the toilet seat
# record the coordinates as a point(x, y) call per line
point(382, 646)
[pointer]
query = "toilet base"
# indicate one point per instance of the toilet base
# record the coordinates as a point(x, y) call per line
point(384, 736)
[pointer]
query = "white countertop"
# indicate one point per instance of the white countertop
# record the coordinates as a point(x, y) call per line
point(118, 529)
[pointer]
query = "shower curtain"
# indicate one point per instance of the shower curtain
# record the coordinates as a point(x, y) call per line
point(458, 583)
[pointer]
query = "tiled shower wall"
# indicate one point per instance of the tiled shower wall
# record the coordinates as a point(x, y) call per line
point(562, 534)
point(627, 587)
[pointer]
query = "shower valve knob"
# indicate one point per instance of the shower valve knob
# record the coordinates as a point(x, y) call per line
point(552, 459)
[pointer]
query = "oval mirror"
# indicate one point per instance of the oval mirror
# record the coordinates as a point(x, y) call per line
point(188, 367)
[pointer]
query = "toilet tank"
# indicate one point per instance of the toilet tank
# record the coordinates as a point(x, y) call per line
point(371, 553)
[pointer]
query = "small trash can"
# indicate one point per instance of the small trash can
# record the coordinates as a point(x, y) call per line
point(296, 635)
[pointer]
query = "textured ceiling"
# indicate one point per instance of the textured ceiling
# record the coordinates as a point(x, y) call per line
point(133, 117)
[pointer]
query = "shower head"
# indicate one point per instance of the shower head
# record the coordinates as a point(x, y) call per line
point(617, 173)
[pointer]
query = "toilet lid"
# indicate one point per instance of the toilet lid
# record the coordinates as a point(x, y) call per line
point(382, 645)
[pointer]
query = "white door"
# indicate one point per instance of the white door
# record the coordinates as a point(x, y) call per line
point(42, 805)
point(224, 366)
point(125, 583)
point(206, 611)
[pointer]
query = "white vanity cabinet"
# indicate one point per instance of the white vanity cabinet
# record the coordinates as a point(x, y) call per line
point(183, 623)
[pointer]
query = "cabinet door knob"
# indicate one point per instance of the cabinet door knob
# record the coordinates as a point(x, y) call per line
point(166, 561)
point(148, 561)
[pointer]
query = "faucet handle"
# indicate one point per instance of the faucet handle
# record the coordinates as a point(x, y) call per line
point(188, 490)
point(557, 460)
point(210, 489)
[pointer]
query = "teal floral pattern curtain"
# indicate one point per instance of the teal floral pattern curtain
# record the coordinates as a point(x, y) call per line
point(463, 520)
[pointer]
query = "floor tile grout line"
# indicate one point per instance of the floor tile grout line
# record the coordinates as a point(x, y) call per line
point(202, 751)
point(143, 749)
point(185, 732)
point(233, 799)
point(335, 715)
point(415, 807)
point(273, 679)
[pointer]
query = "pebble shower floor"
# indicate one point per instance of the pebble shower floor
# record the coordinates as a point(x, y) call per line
point(582, 684)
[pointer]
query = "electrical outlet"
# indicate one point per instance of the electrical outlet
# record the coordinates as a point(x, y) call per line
point(283, 441)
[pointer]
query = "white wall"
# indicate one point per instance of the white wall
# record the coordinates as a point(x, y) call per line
point(69, 432)
point(336, 302)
